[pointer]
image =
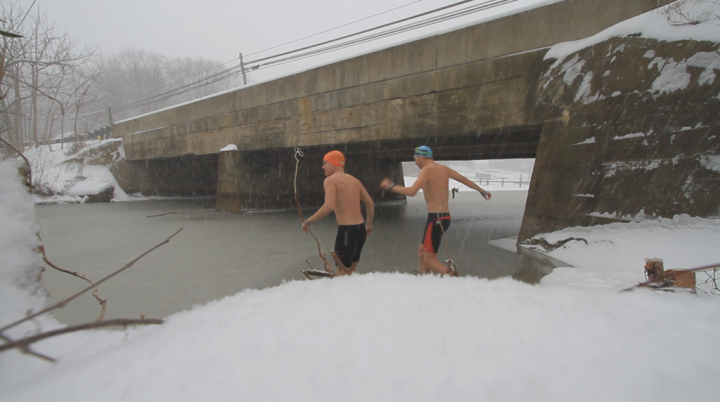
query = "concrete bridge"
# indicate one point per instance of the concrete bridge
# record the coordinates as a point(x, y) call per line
point(482, 92)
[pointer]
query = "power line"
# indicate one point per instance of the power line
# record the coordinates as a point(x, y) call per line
point(294, 55)
point(361, 32)
point(163, 96)
point(332, 29)
point(395, 31)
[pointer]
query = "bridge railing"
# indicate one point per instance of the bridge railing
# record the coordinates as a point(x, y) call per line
point(502, 182)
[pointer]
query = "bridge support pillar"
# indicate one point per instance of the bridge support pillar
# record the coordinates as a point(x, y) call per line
point(632, 152)
point(228, 194)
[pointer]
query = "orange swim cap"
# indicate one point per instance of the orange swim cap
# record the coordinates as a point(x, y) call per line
point(335, 158)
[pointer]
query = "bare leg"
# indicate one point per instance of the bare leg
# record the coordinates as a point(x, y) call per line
point(432, 262)
point(347, 271)
point(340, 266)
point(424, 268)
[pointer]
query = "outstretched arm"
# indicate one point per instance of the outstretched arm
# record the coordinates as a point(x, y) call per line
point(388, 184)
point(464, 180)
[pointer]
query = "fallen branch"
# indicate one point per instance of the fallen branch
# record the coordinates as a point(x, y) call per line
point(328, 269)
point(712, 279)
point(103, 302)
point(64, 302)
point(551, 246)
point(24, 342)
point(26, 349)
point(27, 162)
point(166, 213)
point(661, 280)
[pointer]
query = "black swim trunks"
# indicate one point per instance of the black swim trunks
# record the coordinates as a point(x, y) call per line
point(349, 243)
point(436, 225)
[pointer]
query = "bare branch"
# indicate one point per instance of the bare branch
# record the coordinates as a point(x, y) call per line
point(29, 171)
point(298, 155)
point(166, 213)
point(103, 302)
point(64, 302)
point(26, 349)
point(24, 342)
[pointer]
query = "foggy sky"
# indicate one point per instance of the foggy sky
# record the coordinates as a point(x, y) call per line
point(220, 29)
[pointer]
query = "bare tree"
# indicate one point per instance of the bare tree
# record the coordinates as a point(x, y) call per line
point(682, 13)
point(130, 76)
point(135, 81)
point(184, 72)
point(52, 85)
point(40, 71)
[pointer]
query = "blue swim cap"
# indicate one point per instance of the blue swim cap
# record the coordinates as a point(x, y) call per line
point(424, 151)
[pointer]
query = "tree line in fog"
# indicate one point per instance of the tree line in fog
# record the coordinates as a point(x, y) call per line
point(52, 88)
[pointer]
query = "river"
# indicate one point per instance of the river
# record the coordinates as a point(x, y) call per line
point(219, 254)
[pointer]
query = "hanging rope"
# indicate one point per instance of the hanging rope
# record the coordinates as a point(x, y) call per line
point(299, 154)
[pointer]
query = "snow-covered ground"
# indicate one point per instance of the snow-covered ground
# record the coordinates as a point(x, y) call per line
point(391, 336)
point(67, 176)
point(395, 337)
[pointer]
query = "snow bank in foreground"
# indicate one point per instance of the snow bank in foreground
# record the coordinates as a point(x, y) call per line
point(397, 337)
point(20, 264)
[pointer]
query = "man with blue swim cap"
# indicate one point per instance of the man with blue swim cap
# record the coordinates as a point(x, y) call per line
point(434, 180)
point(423, 151)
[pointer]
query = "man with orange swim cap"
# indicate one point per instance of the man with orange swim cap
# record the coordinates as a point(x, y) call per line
point(336, 158)
point(343, 194)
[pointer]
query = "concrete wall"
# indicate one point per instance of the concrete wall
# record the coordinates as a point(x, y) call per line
point(451, 84)
point(624, 145)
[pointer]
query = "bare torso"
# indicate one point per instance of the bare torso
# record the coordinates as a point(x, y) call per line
point(435, 187)
point(348, 191)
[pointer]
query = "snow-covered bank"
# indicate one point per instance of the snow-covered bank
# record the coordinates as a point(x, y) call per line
point(389, 336)
point(62, 176)
point(397, 338)
point(695, 20)
point(611, 256)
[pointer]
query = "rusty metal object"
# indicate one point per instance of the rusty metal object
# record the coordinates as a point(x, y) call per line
point(659, 277)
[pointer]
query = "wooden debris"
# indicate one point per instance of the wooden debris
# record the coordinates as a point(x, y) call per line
point(658, 277)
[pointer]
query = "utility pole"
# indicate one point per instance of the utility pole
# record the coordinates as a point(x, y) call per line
point(109, 131)
point(242, 67)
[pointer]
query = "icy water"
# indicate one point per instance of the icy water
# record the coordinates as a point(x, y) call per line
point(219, 254)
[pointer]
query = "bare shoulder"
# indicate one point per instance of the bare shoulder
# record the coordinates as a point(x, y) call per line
point(331, 180)
point(450, 171)
point(352, 179)
point(447, 168)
